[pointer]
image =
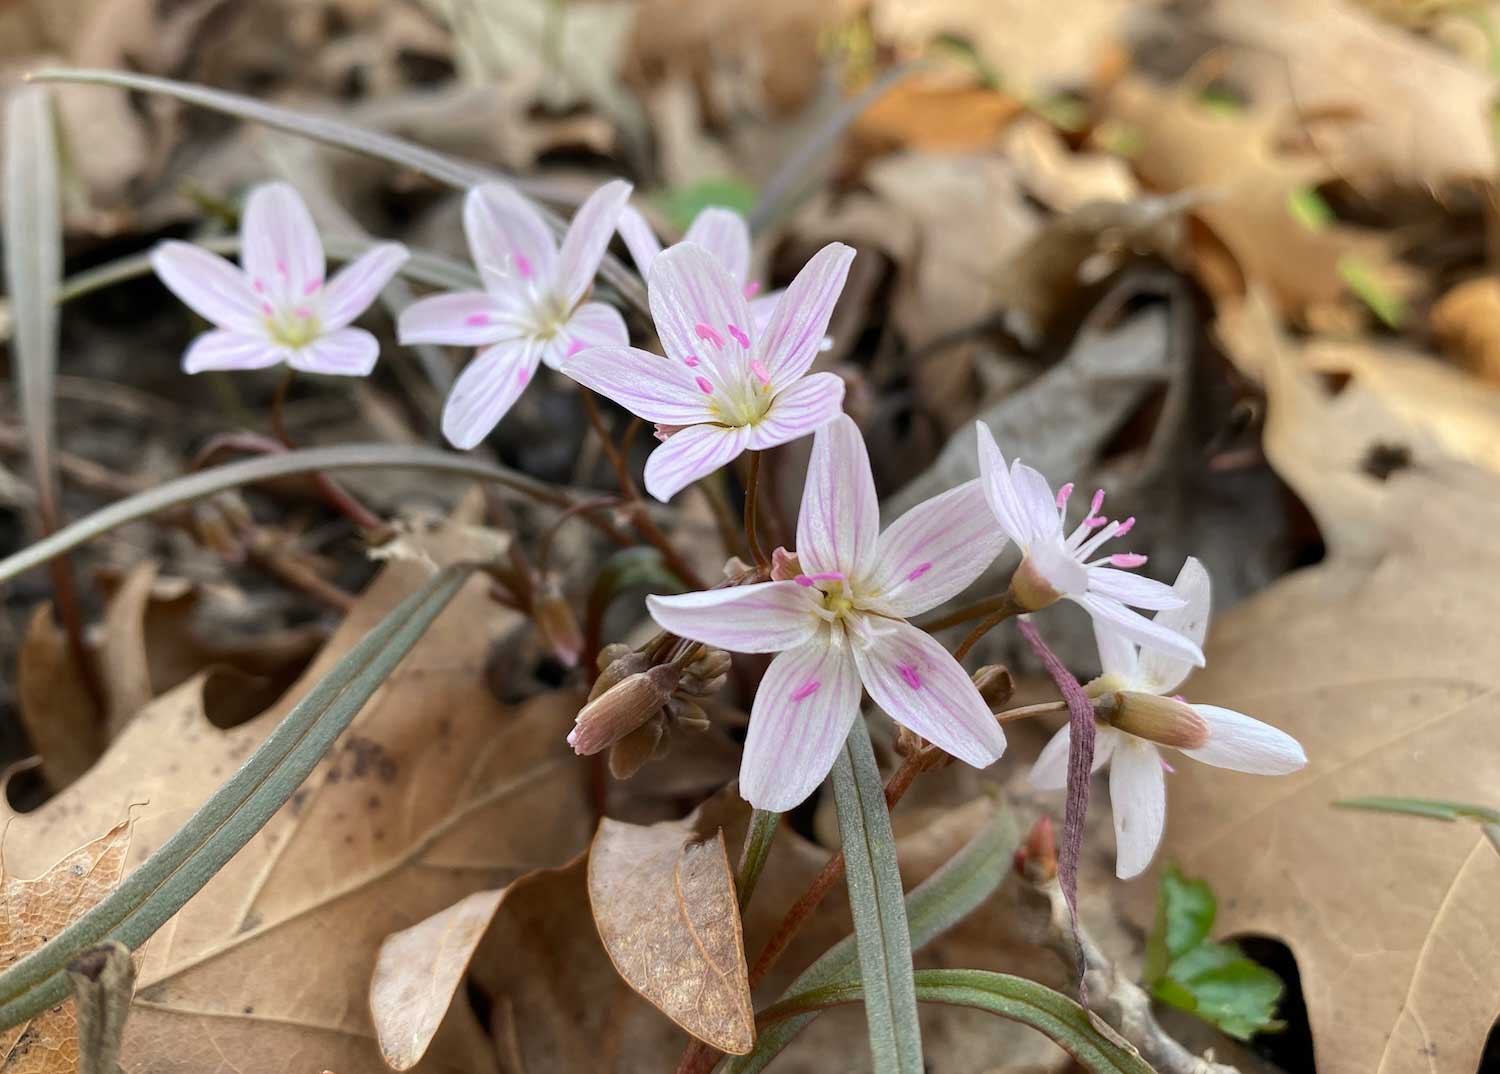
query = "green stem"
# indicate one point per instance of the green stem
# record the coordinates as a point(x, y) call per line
point(753, 856)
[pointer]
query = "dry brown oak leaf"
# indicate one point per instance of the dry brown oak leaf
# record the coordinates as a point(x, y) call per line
point(1383, 661)
point(35, 911)
point(435, 792)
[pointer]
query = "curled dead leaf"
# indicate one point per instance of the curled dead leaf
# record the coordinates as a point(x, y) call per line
point(664, 904)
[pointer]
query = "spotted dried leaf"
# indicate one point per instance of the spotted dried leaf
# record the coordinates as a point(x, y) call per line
point(664, 904)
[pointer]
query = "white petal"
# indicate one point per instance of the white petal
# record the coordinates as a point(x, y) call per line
point(690, 455)
point(1134, 589)
point(587, 238)
point(801, 410)
point(1246, 745)
point(919, 685)
point(280, 247)
point(1138, 628)
point(1050, 772)
point(357, 284)
point(840, 518)
point(1118, 656)
point(693, 303)
point(762, 309)
point(595, 324)
point(210, 286)
point(1035, 497)
point(486, 389)
point(510, 242)
point(795, 333)
point(648, 385)
point(1000, 491)
point(458, 319)
point(346, 352)
point(725, 234)
point(222, 349)
point(1163, 674)
point(803, 710)
point(766, 617)
point(934, 551)
point(640, 240)
point(1138, 795)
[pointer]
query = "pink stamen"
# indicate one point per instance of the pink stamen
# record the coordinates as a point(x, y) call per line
point(574, 347)
point(739, 337)
point(752, 288)
point(762, 374)
point(304, 312)
point(523, 375)
point(909, 676)
point(260, 285)
point(1096, 503)
point(806, 690)
point(704, 386)
point(523, 266)
point(1063, 494)
point(923, 569)
point(1127, 559)
point(1126, 526)
point(477, 319)
point(692, 361)
point(267, 309)
point(281, 266)
point(1165, 766)
point(806, 580)
point(312, 286)
point(705, 332)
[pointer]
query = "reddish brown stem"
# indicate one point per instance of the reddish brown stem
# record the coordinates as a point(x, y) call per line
point(988, 623)
point(752, 490)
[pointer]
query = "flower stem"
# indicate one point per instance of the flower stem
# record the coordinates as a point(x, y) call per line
point(753, 854)
point(1007, 608)
point(371, 524)
point(752, 489)
point(969, 612)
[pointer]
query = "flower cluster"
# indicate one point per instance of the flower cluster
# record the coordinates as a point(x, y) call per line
point(736, 375)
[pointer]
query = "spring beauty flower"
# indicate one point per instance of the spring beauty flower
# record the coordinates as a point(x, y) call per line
point(276, 306)
point(532, 308)
point(841, 624)
point(1146, 718)
point(1056, 565)
point(724, 386)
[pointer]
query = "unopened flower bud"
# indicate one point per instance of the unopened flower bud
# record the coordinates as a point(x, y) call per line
point(705, 676)
point(995, 685)
point(617, 663)
point(635, 749)
point(556, 623)
point(1030, 589)
point(621, 709)
point(1160, 719)
point(1036, 859)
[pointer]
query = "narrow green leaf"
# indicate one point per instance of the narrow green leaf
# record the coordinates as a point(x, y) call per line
point(149, 896)
point(934, 906)
point(1434, 808)
point(1016, 998)
point(206, 483)
point(758, 839)
point(33, 268)
point(443, 168)
point(1361, 278)
point(428, 269)
point(684, 203)
point(881, 933)
point(1309, 208)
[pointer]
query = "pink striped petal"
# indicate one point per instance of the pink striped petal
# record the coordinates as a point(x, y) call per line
point(1050, 772)
point(1138, 796)
point(223, 349)
point(1238, 742)
point(801, 410)
point(640, 240)
point(762, 309)
point(723, 233)
point(934, 551)
point(840, 518)
point(458, 318)
point(920, 686)
point(1035, 497)
point(795, 335)
point(766, 617)
point(1138, 628)
point(804, 707)
point(508, 239)
point(358, 283)
point(1000, 490)
point(345, 352)
point(693, 302)
point(486, 389)
point(586, 240)
point(1134, 589)
point(1158, 672)
point(280, 246)
point(593, 324)
point(209, 286)
point(689, 455)
point(646, 384)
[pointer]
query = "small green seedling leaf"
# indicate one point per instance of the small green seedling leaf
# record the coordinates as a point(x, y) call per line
point(685, 203)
